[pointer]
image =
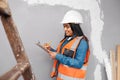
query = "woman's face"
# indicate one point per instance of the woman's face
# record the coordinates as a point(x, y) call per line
point(68, 30)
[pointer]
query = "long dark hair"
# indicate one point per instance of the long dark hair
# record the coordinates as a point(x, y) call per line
point(76, 29)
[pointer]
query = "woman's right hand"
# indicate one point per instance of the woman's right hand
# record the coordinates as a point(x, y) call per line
point(47, 46)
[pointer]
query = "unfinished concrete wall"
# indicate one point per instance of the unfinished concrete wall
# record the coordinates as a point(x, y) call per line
point(39, 20)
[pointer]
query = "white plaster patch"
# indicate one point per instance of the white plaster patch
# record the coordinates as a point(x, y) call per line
point(108, 68)
point(97, 72)
point(96, 15)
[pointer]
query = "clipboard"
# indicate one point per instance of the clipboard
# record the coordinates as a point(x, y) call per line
point(41, 46)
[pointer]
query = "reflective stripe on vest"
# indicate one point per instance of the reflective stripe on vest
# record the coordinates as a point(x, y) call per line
point(84, 67)
point(64, 77)
point(75, 44)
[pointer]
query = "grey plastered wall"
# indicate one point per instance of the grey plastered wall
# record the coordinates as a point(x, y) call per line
point(42, 23)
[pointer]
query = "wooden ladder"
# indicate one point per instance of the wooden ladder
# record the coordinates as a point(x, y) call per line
point(23, 66)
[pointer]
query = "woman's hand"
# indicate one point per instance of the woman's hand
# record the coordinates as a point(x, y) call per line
point(47, 46)
point(52, 54)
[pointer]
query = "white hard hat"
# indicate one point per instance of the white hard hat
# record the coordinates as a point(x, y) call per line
point(72, 16)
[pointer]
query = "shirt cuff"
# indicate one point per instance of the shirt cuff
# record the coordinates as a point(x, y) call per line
point(58, 56)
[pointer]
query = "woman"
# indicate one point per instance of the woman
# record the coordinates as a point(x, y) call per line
point(71, 56)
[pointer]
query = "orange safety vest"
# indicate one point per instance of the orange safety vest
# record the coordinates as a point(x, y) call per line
point(66, 72)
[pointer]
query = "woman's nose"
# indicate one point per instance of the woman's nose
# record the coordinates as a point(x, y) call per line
point(65, 29)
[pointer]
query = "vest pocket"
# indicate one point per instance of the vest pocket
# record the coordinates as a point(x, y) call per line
point(68, 52)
